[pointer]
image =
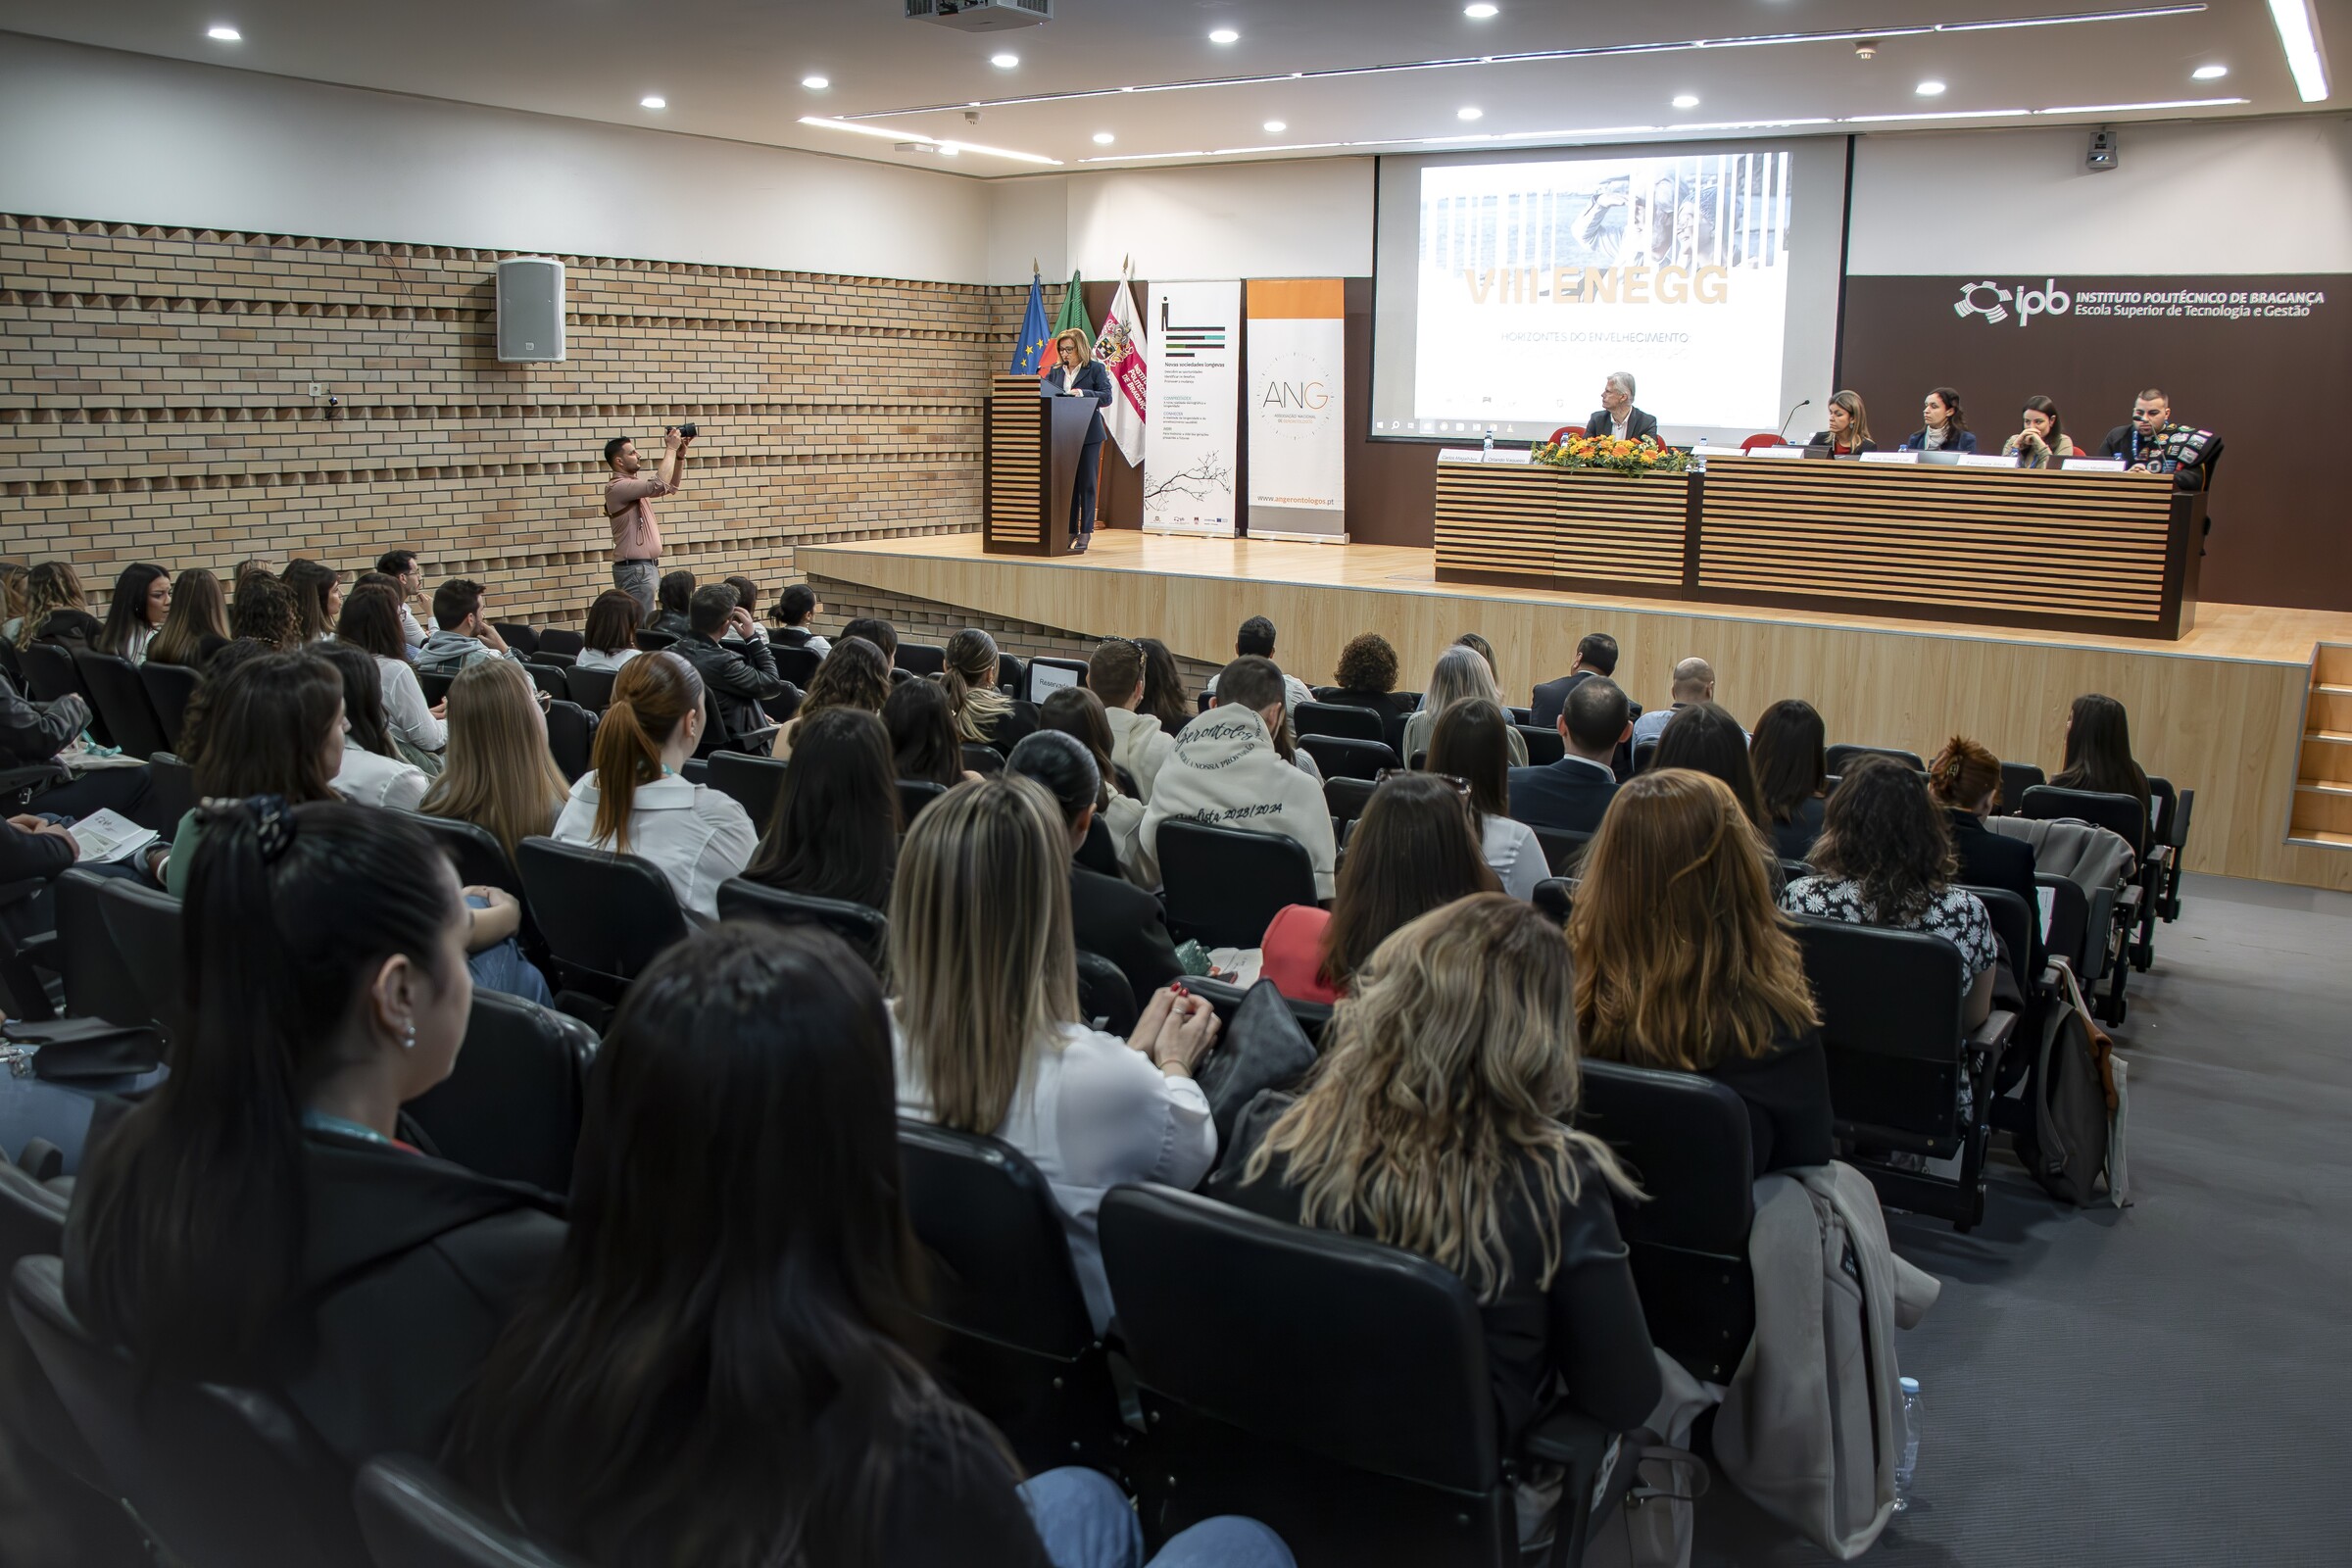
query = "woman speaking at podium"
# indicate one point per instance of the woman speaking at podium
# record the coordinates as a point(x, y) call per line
point(1079, 374)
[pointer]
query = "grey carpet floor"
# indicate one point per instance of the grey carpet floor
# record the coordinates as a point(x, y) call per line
point(2170, 1383)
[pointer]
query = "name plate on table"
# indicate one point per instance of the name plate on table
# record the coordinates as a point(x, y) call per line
point(1501, 455)
point(1784, 451)
point(1989, 459)
point(1891, 457)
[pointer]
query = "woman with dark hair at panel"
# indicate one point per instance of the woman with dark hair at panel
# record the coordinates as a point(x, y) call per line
point(634, 799)
point(263, 611)
point(1079, 714)
point(1440, 1120)
point(317, 590)
point(142, 602)
point(835, 833)
point(501, 776)
point(1470, 743)
point(260, 723)
point(986, 1020)
point(2041, 439)
point(372, 773)
point(2098, 752)
point(610, 639)
point(1884, 858)
point(855, 674)
point(743, 1382)
point(1366, 677)
point(983, 714)
point(1164, 697)
point(54, 608)
point(1848, 434)
point(196, 627)
point(1108, 914)
point(1790, 761)
point(922, 734)
point(1460, 676)
point(1943, 427)
point(370, 623)
point(1682, 961)
point(1414, 849)
point(1965, 779)
point(258, 1219)
point(1707, 739)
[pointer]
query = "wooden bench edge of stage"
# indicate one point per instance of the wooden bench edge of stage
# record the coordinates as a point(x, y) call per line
point(2030, 549)
point(1031, 448)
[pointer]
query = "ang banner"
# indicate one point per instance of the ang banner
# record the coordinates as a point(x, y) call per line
point(1190, 439)
point(1297, 454)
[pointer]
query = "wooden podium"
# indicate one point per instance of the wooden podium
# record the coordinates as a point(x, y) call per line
point(1030, 470)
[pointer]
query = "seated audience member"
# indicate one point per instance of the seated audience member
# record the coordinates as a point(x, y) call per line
point(855, 674)
point(34, 849)
point(1596, 655)
point(1366, 677)
point(197, 626)
point(747, 596)
point(32, 774)
point(500, 776)
point(1693, 682)
point(1138, 742)
point(1683, 963)
point(370, 772)
point(261, 723)
point(673, 602)
point(986, 1026)
point(1791, 761)
point(983, 714)
point(1255, 640)
point(1572, 793)
point(1228, 769)
point(264, 611)
point(1884, 858)
point(55, 610)
point(1943, 427)
point(609, 638)
point(835, 832)
point(1440, 1120)
point(634, 800)
point(370, 623)
point(1164, 697)
point(881, 633)
point(738, 676)
point(317, 590)
point(407, 586)
point(1460, 676)
point(1848, 434)
point(12, 596)
point(757, 1062)
point(1484, 649)
point(1108, 914)
point(1413, 850)
point(257, 1220)
point(2098, 752)
point(142, 602)
point(1706, 739)
point(1078, 713)
point(1469, 744)
point(922, 734)
point(2040, 440)
point(464, 633)
point(1965, 779)
point(792, 615)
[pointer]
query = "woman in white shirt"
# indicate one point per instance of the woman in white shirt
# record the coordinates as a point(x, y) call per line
point(1461, 676)
point(611, 635)
point(1468, 743)
point(371, 622)
point(370, 772)
point(984, 1026)
point(633, 799)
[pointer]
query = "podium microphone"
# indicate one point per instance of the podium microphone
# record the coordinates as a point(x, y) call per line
point(1801, 403)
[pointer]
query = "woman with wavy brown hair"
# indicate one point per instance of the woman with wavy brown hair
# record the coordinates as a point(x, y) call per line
point(855, 674)
point(1683, 963)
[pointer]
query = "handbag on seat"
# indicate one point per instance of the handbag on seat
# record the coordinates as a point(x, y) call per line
point(1262, 1048)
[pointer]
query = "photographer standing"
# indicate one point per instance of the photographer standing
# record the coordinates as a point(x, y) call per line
point(630, 509)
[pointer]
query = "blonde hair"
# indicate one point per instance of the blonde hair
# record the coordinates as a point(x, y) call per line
point(971, 677)
point(1461, 675)
point(1086, 346)
point(980, 945)
point(1447, 1086)
point(650, 697)
point(500, 775)
point(1683, 959)
point(50, 586)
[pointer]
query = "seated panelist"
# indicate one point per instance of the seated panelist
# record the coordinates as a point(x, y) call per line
point(1945, 428)
point(1617, 416)
point(2040, 439)
point(1848, 434)
point(2153, 443)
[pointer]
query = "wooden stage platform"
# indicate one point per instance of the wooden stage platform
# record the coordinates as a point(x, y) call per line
point(2221, 710)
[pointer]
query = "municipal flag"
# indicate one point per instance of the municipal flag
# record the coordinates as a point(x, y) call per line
point(1073, 310)
point(1029, 353)
point(1125, 349)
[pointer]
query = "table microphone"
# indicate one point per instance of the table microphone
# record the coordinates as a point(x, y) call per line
point(1801, 403)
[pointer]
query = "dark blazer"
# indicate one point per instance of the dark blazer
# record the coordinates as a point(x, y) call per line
point(1125, 925)
point(1012, 726)
point(1551, 697)
point(1989, 859)
point(1820, 438)
point(1793, 840)
point(1637, 424)
point(1092, 377)
point(1957, 441)
point(738, 676)
point(1787, 1092)
point(1569, 794)
point(1393, 708)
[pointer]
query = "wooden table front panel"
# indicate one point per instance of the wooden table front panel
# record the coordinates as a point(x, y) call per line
point(1498, 523)
point(1616, 528)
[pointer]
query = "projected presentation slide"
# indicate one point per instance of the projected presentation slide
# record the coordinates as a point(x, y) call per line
point(1535, 279)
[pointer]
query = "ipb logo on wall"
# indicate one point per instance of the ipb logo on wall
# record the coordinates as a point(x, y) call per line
point(1992, 300)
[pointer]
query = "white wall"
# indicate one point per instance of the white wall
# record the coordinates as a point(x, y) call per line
point(131, 138)
point(1309, 219)
point(2242, 196)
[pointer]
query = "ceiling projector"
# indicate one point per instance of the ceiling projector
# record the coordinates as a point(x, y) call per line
point(981, 16)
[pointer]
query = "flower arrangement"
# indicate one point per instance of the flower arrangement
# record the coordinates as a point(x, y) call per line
point(1646, 456)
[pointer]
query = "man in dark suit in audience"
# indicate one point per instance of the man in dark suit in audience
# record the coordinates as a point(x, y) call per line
point(738, 676)
point(1572, 793)
point(1596, 655)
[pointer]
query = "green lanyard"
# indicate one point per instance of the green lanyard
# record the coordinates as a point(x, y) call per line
point(318, 1121)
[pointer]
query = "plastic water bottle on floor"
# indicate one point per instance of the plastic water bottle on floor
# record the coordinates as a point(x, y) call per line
point(1908, 1466)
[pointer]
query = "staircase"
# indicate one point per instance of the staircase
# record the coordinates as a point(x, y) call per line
point(2323, 812)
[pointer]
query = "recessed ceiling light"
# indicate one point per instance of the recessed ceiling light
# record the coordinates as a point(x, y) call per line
point(948, 149)
point(1004, 61)
point(816, 84)
point(1224, 35)
point(1103, 138)
point(1277, 127)
point(652, 101)
point(225, 34)
point(1686, 100)
point(2210, 72)
point(1930, 89)
point(1469, 114)
point(1480, 12)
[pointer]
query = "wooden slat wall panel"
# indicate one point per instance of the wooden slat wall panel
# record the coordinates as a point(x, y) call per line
point(1016, 477)
point(1623, 530)
point(1498, 521)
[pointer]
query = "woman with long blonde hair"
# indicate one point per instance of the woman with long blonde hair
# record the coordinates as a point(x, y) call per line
point(983, 714)
point(1439, 1121)
point(1683, 962)
point(1460, 676)
point(53, 593)
point(500, 775)
point(986, 1026)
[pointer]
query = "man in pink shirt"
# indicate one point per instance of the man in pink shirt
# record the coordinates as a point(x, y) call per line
point(630, 509)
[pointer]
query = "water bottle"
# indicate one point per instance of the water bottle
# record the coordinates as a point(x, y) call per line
point(1908, 1466)
point(1488, 455)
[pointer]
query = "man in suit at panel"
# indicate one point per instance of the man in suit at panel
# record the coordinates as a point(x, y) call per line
point(1077, 373)
point(1572, 793)
point(1596, 655)
point(1617, 415)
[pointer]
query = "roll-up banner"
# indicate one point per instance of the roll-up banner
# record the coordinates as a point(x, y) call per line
point(1297, 459)
point(1189, 434)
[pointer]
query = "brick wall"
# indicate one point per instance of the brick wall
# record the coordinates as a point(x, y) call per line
point(154, 406)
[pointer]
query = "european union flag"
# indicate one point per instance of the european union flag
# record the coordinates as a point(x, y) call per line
point(1029, 353)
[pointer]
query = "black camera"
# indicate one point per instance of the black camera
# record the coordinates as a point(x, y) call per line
point(688, 431)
